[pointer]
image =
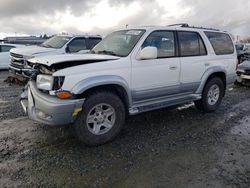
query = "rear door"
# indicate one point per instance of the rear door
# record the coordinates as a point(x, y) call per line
point(193, 56)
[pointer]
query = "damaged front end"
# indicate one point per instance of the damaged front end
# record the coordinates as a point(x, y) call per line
point(243, 73)
point(39, 99)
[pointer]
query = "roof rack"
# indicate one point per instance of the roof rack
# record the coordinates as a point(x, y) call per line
point(194, 27)
point(180, 24)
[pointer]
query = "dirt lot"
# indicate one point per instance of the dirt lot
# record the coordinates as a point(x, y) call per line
point(175, 147)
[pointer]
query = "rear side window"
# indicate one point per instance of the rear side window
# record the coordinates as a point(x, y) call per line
point(221, 42)
point(191, 44)
point(6, 48)
point(93, 41)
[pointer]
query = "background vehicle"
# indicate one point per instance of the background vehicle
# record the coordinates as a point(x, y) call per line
point(243, 51)
point(59, 44)
point(131, 71)
point(243, 72)
point(5, 54)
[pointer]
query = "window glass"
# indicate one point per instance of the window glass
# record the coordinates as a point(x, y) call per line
point(203, 50)
point(93, 42)
point(5, 48)
point(119, 43)
point(164, 41)
point(77, 45)
point(221, 42)
point(191, 44)
point(56, 42)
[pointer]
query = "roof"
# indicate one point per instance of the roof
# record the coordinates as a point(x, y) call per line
point(80, 35)
point(185, 27)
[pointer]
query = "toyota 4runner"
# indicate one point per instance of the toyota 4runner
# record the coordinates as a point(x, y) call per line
point(131, 71)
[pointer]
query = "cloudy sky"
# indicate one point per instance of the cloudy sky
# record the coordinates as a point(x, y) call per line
point(102, 16)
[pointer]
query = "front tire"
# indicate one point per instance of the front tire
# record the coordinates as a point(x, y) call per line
point(212, 95)
point(101, 119)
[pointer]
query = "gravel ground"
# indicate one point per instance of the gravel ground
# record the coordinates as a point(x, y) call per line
point(173, 147)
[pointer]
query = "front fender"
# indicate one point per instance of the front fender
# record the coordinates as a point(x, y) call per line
point(89, 83)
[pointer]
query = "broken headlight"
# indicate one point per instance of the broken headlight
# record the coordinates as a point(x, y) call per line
point(44, 82)
point(58, 82)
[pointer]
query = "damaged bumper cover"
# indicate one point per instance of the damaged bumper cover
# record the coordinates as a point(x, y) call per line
point(47, 109)
point(243, 75)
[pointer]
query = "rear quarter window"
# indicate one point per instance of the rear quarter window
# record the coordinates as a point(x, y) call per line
point(221, 43)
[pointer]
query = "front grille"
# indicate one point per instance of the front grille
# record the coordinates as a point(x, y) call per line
point(16, 55)
point(17, 60)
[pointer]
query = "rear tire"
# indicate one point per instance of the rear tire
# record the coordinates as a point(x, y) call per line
point(101, 119)
point(212, 95)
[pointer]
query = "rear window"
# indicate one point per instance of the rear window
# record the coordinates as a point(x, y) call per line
point(221, 42)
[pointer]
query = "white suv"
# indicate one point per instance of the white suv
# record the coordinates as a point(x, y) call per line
point(59, 44)
point(131, 71)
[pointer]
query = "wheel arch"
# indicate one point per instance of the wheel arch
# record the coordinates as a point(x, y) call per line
point(115, 84)
point(210, 73)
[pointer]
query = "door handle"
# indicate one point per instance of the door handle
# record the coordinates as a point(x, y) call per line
point(173, 67)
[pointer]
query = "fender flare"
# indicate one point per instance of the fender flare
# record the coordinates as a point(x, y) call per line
point(207, 74)
point(95, 81)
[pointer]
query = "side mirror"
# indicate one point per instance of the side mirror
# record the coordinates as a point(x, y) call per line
point(149, 52)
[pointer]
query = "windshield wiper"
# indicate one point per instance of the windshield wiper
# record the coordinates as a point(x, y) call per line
point(107, 52)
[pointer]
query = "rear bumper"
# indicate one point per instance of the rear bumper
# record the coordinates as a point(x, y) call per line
point(48, 109)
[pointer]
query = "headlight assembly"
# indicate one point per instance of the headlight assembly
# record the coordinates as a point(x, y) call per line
point(44, 82)
point(28, 57)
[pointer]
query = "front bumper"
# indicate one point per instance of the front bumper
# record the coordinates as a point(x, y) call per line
point(47, 109)
point(15, 70)
point(243, 77)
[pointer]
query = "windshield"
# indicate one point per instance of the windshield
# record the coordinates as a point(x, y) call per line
point(119, 43)
point(56, 42)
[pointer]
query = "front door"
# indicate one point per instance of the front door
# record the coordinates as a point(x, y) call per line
point(156, 78)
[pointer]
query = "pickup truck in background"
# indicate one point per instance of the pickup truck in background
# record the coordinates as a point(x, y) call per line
point(59, 44)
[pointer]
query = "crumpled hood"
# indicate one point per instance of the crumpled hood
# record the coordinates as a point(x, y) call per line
point(32, 50)
point(67, 58)
point(245, 65)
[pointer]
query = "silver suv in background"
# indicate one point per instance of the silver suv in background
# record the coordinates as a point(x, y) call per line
point(59, 44)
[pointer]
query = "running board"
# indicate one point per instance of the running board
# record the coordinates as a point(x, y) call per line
point(163, 103)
